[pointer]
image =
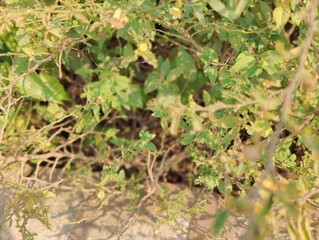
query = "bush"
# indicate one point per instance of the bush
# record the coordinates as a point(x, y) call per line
point(223, 94)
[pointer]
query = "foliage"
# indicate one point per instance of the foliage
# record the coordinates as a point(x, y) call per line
point(138, 87)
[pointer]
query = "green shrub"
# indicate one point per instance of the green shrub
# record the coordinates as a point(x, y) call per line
point(136, 88)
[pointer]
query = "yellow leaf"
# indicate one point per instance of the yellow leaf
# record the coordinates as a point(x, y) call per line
point(49, 195)
point(148, 56)
point(175, 12)
point(101, 194)
point(117, 14)
point(175, 124)
point(281, 16)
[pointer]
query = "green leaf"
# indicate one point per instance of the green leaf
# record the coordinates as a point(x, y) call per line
point(128, 50)
point(185, 62)
point(55, 111)
point(174, 74)
point(225, 186)
point(43, 87)
point(55, 28)
point(281, 16)
point(211, 72)
point(228, 83)
point(109, 133)
point(23, 39)
point(236, 41)
point(151, 146)
point(127, 60)
point(199, 14)
point(158, 113)
point(188, 138)
point(145, 135)
point(206, 97)
point(120, 82)
point(220, 220)
point(208, 55)
point(240, 6)
point(145, 141)
point(232, 134)
point(240, 169)
point(228, 122)
point(165, 67)
point(135, 98)
point(152, 83)
point(265, 10)
point(219, 7)
point(121, 175)
point(117, 141)
point(261, 127)
point(244, 61)
point(129, 56)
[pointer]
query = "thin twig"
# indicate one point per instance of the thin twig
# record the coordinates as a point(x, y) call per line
point(288, 92)
point(287, 99)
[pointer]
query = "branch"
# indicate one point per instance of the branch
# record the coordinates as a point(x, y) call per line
point(288, 92)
